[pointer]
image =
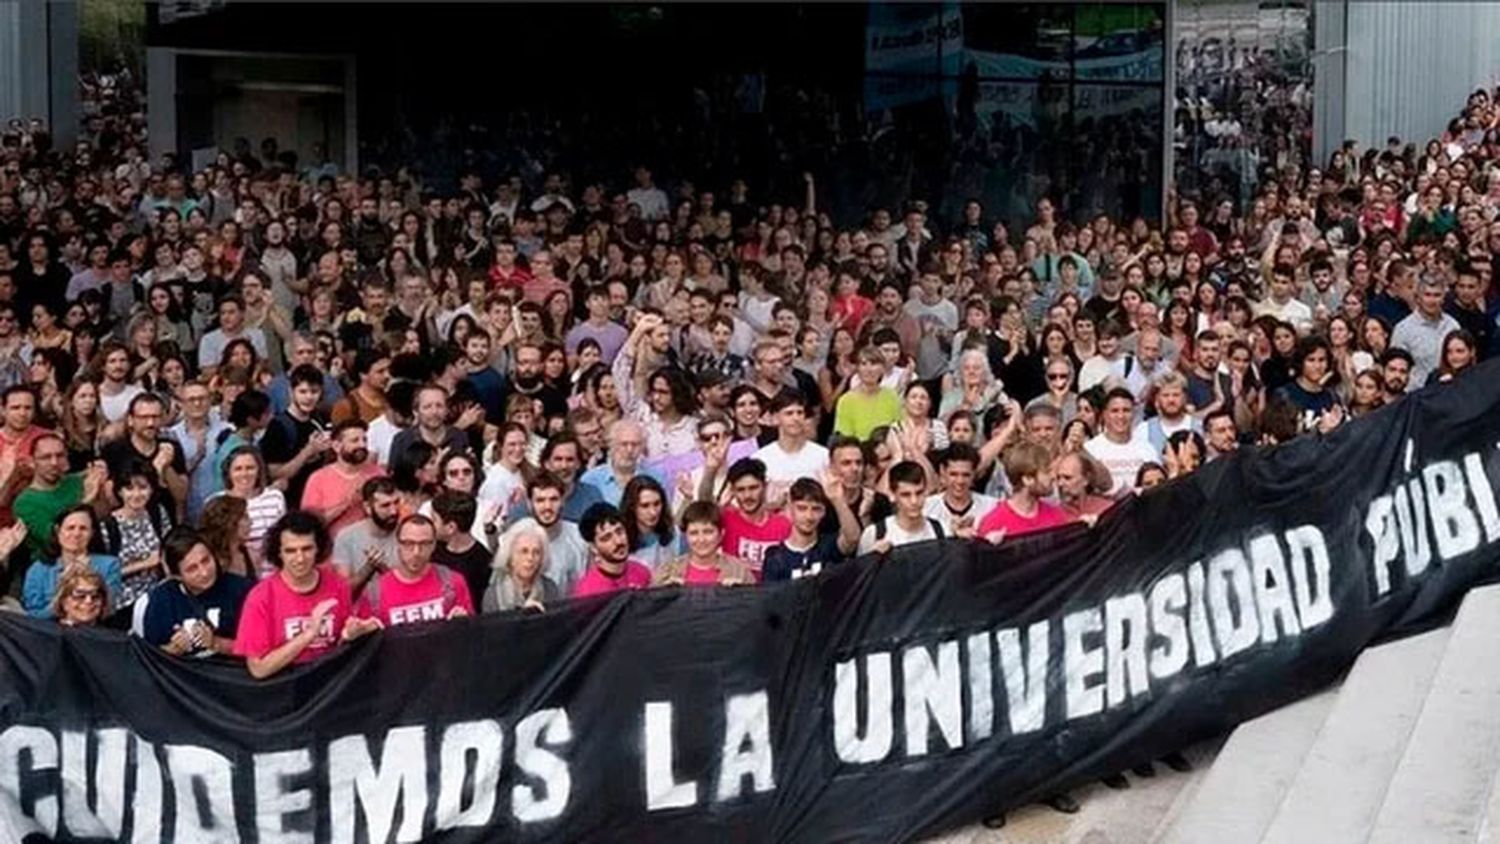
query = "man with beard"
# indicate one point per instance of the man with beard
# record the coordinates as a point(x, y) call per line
point(1074, 474)
point(1395, 367)
point(372, 375)
point(144, 442)
point(528, 379)
point(1222, 435)
point(567, 552)
point(488, 383)
point(416, 589)
point(333, 491)
point(430, 425)
point(611, 568)
point(1028, 466)
point(368, 546)
point(890, 313)
point(371, 237)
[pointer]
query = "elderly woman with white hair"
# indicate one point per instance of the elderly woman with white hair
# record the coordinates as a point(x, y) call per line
point(972, 386)
point(519, 580)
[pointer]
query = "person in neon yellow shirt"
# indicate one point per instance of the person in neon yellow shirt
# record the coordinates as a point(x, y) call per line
point(868, 405)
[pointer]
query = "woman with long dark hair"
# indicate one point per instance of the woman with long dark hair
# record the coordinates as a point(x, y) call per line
point(648, 521)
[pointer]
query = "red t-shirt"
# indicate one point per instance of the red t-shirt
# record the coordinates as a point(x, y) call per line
point(700, 576)
point(1004, 518)
point(274, 614)
point(515, 279)
point(400, 602)
point(596, 582)
point(750, 541)
point(328, 485)
point(853, 309)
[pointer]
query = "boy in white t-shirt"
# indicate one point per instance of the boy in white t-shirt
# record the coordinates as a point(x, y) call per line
point(792, 455)
point(1120, 452)
point(908, 525)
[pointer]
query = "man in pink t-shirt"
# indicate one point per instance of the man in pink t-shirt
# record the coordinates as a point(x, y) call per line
point(416, 589)
point(611, 569)
point(750, 530)
point(301, 612)
point(333, 492)
point(1028, 465)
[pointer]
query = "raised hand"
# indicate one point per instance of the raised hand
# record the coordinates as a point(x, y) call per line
point(357, 627)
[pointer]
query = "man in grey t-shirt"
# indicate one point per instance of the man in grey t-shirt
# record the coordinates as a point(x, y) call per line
point(368, 547)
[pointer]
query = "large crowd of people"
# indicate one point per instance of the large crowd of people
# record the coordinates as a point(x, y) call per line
point(264, 407)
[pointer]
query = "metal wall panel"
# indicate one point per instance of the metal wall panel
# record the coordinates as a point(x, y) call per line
point(10, 61)
point(1410, 65)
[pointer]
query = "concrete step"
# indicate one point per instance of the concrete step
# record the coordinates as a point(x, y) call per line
point(1105, 816)
point(1342, 784)
point(1442, 788)
point(1240, 795)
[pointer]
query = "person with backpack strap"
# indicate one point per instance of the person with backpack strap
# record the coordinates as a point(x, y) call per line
point(908, 482)
point(415, 589)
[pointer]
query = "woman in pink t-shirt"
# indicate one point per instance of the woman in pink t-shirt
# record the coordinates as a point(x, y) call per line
point(301, 612)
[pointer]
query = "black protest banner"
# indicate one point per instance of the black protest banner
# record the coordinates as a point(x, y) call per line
point(880, 701)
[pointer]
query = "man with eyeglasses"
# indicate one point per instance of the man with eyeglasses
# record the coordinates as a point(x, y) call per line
point(197, 436)
point(416, 589)
point(627, 447)
point(145, 442)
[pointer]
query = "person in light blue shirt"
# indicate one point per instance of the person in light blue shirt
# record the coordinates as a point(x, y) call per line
point(627, 443)
point(69, 546)
point(197, 437)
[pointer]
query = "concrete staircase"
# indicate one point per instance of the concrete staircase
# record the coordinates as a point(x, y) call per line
point(1405, 751)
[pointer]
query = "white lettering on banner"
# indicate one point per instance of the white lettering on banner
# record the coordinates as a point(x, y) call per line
point(981, 687)
point(746, 752)
point(1273, 590)
point(483, 741)
point(747, 746)
point(108, 776)
point(1108, 652)
point(1081, 663)
point(1125, 648)
point(1231, 602)
point(356, 782)
point(1168, 601)
point(862, 740)
point(274, 800)
point(1116, 652)
point(933, 694)
point(663, 791)
point(1025, 682)
point(543, 729)
point(39, 748)
point(199, 771)
point(1446, 507)
point(146, 805)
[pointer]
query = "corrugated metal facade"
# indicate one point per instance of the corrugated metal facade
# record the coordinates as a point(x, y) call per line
point(1410, 65)
point(10, 61)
